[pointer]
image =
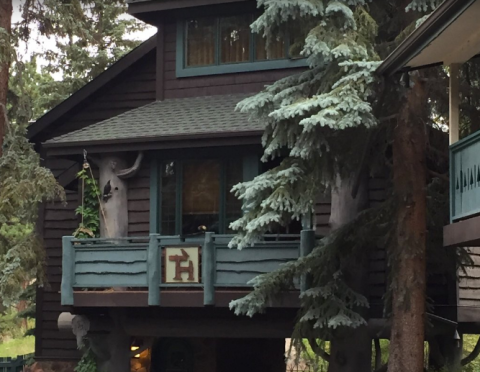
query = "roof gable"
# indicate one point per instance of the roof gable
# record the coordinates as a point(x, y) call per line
point(83, 94)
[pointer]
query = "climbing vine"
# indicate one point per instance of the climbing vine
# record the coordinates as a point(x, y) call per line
point(90, 224)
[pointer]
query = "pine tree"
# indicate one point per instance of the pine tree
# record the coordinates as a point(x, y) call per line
point(326, 125)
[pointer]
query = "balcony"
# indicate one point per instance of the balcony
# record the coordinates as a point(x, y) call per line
point(170, 271)
point(464, 193)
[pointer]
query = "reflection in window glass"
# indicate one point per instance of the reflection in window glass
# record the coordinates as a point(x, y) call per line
point(235, 39)
point(168, 190)
point(200, 196)
point(200, 42)
point(276, 49)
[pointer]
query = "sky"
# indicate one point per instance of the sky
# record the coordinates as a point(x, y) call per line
point(43, 44)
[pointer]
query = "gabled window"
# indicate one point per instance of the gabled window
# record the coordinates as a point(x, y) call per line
point(219, 45)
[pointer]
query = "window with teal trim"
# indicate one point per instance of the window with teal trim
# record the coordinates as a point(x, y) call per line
point(218, 45)
point(195, 195)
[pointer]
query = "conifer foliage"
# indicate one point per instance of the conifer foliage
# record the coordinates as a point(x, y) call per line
point(323, 123)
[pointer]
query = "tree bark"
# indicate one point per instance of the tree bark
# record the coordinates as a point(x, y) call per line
point(114, 208)
point(408, 253)
point(351, 349)
point(6, 23)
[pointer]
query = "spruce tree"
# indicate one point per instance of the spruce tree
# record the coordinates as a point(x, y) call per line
point(329, 125)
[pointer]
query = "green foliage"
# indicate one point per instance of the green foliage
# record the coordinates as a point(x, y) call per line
point(329, 303)
point(89, 209)
point(17, 346)
point(89, 36)
point(87, 363)
point(24, 184)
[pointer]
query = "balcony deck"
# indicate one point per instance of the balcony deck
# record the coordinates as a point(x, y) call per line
point(463, 229)
point(131, 271)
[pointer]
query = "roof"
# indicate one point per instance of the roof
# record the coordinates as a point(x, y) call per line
point(93, 86)
point(212, 116)
point(444, 37)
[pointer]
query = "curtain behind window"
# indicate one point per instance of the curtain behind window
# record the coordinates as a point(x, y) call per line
point(200, 36)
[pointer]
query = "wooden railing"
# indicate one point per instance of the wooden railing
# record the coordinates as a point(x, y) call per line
point(465, 177)
point(138, 263)
point(14, 364)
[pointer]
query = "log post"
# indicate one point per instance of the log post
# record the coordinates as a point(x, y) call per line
point(114, 205)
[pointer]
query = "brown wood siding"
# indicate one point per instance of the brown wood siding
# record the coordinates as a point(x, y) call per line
point(139, 202)
point(133, 88)
point(246, 82)
point(469, 285)
point(58, 220)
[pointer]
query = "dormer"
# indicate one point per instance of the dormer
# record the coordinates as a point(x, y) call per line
point(214, 37)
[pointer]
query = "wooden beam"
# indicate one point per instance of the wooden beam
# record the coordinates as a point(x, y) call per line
point(454, 97)
point(154, 271)
point(68, 272)
point(208, 270)
point(462, 234)
point(180, 298)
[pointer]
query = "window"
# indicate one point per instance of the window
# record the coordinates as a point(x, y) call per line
point(195, 195)
point(218, 45)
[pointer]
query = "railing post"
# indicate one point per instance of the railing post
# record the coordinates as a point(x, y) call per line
point(154, 271)
point(307, 243)
point(68, 270)
point(208, 270)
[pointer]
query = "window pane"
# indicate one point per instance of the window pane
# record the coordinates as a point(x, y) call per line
point(201, 196)
point(200, 36)
point(235, 39)
point(233, 205)
point(168, 197)
point(276, 49)
point(298, 34)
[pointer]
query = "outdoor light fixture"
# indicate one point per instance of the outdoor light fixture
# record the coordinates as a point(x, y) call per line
point(457, 338)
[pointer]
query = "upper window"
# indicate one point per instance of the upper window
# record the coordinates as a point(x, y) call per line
point(218, 45)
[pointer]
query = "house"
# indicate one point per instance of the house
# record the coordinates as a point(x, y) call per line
point(160, 127)
point(450, 36)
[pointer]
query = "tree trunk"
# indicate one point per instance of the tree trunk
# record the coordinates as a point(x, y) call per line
point(351, 349)
point(408, 254)
point(6, 23)
point(114, 207)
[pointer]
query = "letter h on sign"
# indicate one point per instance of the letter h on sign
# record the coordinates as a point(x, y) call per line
point(182, 265)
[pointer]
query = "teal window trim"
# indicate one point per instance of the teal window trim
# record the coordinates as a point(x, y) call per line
point(155, 196)
point(250, 170)
point(218, 69)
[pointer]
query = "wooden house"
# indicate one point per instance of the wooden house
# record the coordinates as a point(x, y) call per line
point(160, 127)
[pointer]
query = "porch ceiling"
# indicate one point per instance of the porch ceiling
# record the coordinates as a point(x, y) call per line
point(451, 34)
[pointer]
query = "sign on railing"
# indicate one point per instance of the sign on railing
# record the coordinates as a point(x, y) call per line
point(14, 364)
point(160, 262)
point(465, 177)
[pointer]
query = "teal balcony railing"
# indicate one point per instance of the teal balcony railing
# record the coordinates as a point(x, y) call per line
point(465, 178)
point(137, 263)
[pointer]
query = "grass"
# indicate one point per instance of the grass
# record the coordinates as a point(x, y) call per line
point(19, 346)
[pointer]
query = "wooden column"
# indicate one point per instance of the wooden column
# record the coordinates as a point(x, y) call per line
point(208, 270)
point(454, 97)
point(68, 270)
point(307, 243)
point(154, 271)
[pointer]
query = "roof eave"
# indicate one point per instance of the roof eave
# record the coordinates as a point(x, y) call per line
point(154, 143)
point(434, 25)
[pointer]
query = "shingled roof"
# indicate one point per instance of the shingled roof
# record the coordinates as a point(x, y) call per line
point(169, 119)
